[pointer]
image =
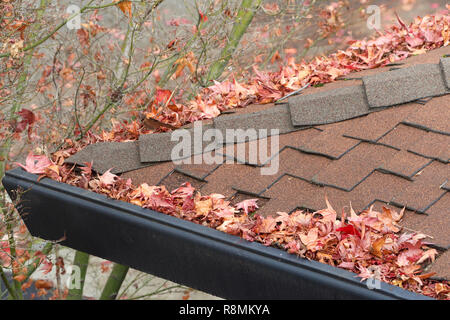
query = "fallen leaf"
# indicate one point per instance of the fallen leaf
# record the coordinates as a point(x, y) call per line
point(125, 6)
point(35, 164)
point(248, 205)
point(43, 284)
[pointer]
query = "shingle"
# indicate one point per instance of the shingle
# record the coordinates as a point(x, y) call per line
point(301, 164)
point(197, 167)
point(402, 137)
point(240, 196)
point(441, 208)
point(176, 179)
point(290, 193)
point(328, 106)
point(330, 142)
point(405, 164)
point(404, 85)
point(255, 152)
point(379, 186)
point(376, 124)
point(420, 194)
point(231, 177)
point(158, 147)
point(442, 266)
point(298, 138)
point(445, 66)
point(354, 166)
point(151, 175)
point(433, 146)
point(430, 225)
point(120, 156)
point(277, 117)
point(433, 116)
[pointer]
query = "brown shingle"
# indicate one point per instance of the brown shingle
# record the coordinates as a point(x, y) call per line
point(435, 115)
point(176, 179)
point(239, 176)
point(354, 166)
point(379, 186)
point(433, 145)
point(435, 223)
point(442, 266)
point(298, 138)
point(405, 164)
point(293, 139)
point(376, 124)
point(240, 196)
point(428, 225)
point(402, 137)
point(256, 152)
point(290, 193)
point(151, 175)
point(441, 207)
point(330, 141)
point(197, 168)
point(301, 164)
point(425, 189)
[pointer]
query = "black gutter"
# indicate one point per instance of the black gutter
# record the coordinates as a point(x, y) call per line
point(181, 251)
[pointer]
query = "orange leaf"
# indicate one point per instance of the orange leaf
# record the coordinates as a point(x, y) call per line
point(20, 277)
point(377, 246)
point(43, 284)
point(125, 7)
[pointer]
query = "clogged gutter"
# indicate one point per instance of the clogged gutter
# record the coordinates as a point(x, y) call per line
point(369, 244)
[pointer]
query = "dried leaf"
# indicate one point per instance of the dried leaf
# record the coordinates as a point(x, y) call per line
point(35, 164)
point(126, 7)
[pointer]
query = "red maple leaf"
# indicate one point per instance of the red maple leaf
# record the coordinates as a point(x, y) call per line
point(349, 230)
point(35, 164)
point(162, 96)
point(248, 205)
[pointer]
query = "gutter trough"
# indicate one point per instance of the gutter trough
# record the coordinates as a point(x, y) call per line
point(209, 260)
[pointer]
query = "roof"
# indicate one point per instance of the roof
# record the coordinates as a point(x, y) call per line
point(377, 137)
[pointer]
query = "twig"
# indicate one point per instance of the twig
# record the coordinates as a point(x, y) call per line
point(10, 289)
point(293, 93)
point(243, 19)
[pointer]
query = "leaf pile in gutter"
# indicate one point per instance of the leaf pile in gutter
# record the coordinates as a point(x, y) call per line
point(370, 244)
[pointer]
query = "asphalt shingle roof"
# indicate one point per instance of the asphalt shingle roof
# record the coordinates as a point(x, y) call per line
point(397, 155)
point(445, 67)
point(328, 106)
point(404, 85)
point(117, 156)
point(278, 117)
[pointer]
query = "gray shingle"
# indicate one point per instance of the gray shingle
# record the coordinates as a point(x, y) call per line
point(158, 147)
point(277, 117)
point(445, 66)
point(120, 156)
point(404, 85)
point(328, 106)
